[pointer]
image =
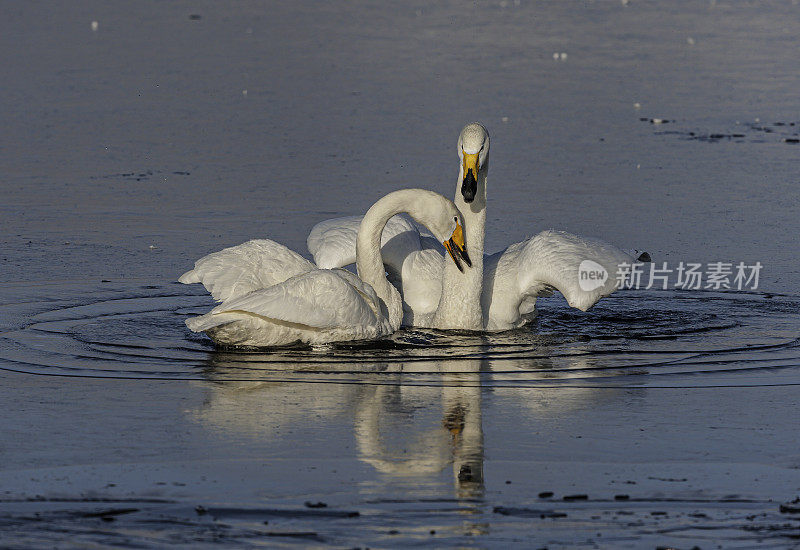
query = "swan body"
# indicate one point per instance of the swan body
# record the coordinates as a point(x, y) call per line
point(413, 258)
point(500, 291)
point(271, 296)
point(315, 307)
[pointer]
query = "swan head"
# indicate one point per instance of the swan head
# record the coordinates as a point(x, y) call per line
point(473, 150)
point(444, 221)
point(456, 248)
point(450, 231)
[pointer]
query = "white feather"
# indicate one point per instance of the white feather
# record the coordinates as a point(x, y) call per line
point(511, 280)
point(271, 296)
point(515, 277)
point(332, 242)
point(238, 270)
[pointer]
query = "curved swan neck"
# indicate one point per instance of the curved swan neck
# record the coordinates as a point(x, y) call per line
point(460, 305)
point(368, 244)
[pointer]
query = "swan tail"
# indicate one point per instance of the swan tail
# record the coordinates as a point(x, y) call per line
point(201, 323)
point(190, 277)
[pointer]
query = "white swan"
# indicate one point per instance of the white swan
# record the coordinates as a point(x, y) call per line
point(272, 296)
point(500, 290)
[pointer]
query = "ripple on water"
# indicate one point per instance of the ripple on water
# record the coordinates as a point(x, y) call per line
point(632, 339)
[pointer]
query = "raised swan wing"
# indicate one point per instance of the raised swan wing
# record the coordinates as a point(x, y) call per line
point(551, 260)
point(239, 270)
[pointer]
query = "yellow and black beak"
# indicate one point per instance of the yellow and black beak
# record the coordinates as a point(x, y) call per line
point(455, 247)
point(469, 185)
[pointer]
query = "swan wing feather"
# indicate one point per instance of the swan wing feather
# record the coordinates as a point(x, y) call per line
point(332, 242)
point(242, 269)
point(551, 260)
point(422, 281)
point(320, 299)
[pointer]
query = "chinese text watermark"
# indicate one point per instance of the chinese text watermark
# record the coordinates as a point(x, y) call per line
point(689, 276)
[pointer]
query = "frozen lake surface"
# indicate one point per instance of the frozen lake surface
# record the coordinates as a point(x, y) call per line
point(166, 131)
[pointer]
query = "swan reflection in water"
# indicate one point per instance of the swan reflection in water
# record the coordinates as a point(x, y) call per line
point(457, 438)
point(411, 421)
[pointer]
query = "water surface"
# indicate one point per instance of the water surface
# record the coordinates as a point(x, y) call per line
point(171, 131)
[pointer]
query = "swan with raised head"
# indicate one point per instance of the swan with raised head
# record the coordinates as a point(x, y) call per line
point(272, 296)
point(500, 290)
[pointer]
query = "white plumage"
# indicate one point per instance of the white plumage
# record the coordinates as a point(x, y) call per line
point(315, 307)
point(413, 258)
point(503, 287)
point(515, 277)
point(272, 296)
point(250, 266)
point(332, 242)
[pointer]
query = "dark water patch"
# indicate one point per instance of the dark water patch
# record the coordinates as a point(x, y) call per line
point(266, 513)
point(443, 522)
point(110, 512)
point(748, 132)
point(141, 175)
point(792, 507)
point(85, 500)
point(528, 512)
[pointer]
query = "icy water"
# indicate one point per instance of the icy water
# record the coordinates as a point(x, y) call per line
point(167, 131)
point(623, 426)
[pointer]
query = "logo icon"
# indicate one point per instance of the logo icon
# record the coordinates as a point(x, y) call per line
point(591, 275)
